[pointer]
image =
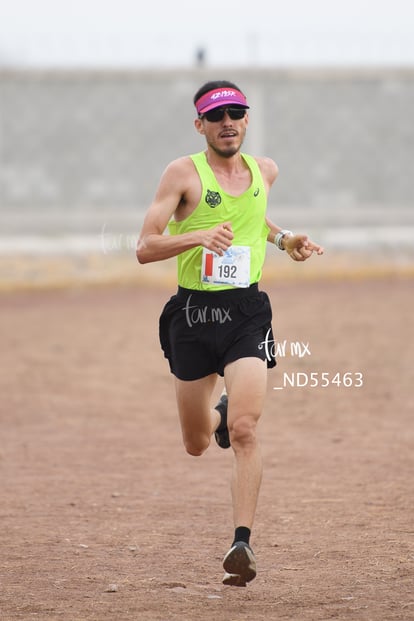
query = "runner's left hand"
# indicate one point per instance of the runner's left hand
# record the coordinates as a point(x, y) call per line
point(300, 247)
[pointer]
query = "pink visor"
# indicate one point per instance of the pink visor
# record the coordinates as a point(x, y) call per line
point(220, 97)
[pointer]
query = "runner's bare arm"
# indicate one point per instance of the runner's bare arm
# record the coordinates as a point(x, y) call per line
point(270, 172)
point(153, 244)
point(299, 247)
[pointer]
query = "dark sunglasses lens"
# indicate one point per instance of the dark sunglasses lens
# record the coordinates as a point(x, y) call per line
point(236, 113)
point(213, 116)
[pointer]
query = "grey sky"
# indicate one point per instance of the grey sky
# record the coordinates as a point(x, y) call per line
point(167, 34)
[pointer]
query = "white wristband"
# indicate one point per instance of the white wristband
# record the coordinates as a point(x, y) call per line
point(279, 238)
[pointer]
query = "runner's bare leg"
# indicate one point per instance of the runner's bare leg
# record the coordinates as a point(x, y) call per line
point(198, 419)
point(246, 381)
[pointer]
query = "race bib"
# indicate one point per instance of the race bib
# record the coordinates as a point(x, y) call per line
point(231, 268)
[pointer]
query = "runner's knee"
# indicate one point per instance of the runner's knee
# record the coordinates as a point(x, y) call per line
point(196, 445)
point(243, 431)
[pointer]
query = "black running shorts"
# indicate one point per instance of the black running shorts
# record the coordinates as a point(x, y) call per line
point(203, 331)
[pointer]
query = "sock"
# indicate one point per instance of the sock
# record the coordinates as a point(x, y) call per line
point(242, 533)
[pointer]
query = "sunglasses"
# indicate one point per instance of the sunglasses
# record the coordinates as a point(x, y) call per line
point(217, 114)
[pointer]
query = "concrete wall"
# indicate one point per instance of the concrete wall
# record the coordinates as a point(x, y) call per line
point(96, 142)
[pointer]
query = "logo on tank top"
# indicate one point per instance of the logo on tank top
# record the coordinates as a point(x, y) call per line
point(256, 192)
point(213, 198)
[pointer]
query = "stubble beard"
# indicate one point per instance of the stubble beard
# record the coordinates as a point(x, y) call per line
point(226, 153)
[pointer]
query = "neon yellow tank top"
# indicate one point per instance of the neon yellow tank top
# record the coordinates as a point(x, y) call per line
point(245, 212)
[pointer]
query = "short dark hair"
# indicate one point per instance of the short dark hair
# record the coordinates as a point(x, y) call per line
point(210, 86)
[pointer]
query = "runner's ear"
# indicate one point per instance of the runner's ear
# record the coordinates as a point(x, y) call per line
point(199, 126)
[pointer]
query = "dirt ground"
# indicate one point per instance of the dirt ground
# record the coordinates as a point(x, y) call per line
point(103, 515)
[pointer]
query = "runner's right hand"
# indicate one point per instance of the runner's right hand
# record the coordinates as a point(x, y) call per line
point(219, 238)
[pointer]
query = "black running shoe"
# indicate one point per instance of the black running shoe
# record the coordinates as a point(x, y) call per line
point(222, 433)
point(239, 565)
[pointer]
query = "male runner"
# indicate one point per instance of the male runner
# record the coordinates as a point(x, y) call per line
point(214, 204)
